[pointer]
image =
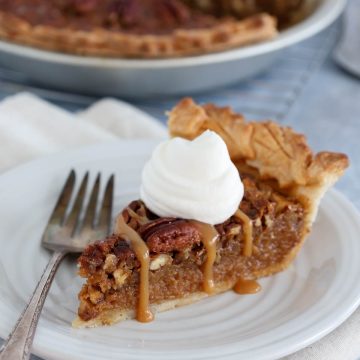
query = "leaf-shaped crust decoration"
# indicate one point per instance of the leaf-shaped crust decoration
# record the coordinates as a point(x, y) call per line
point(277, 152)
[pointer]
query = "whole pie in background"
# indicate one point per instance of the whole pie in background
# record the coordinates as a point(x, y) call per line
point(143, 28)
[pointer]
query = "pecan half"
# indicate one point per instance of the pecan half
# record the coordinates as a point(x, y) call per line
point(168, 234)
point(148, 228)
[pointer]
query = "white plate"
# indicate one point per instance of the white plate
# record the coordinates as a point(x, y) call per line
point(295, 308)
point(144, 78)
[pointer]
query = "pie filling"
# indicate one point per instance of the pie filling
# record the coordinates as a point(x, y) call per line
point(142, 16)
point(150, 260)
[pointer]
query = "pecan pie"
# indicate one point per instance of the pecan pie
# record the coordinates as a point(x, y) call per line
point(153, 263)
point(137, 28)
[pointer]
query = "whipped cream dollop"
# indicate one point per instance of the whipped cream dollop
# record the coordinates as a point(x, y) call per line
point(192, 180)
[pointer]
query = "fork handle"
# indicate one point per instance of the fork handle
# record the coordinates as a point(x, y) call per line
point(18, 344)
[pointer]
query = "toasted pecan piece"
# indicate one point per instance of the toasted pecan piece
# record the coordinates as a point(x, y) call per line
point(166, 235)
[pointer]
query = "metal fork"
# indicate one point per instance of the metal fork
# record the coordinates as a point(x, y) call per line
point(63, 234)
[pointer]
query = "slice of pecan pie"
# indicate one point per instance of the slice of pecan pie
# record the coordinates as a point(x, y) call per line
point(153, 263)
point(129, 28)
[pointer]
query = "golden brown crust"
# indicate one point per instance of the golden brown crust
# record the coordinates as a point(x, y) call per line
point(226, 34)
point(277, 152)
point(113, 316)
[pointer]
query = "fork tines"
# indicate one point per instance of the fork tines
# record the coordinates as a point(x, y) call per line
point(70, 217)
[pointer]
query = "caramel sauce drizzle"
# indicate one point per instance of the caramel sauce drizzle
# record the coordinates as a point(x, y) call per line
point(142, 253)
point(142, 219)
point(248, 233)
point(209, 239)
point(243, 286)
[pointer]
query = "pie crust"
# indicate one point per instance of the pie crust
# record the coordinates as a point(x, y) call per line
point(284, 182)
point(276, 152)
point(224, 34)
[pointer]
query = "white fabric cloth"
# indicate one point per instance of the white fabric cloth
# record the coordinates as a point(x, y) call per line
point(31, 127)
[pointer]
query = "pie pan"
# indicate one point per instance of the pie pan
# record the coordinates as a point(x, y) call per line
point(132, 78)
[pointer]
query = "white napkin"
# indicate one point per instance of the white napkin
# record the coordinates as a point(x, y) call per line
point(31, 127)
point(347, 53)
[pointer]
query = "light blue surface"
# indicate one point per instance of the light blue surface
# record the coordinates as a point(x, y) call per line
point(327, 111)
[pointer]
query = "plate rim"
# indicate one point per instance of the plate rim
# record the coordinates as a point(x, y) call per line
point(327, 12)
point(110, 147)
